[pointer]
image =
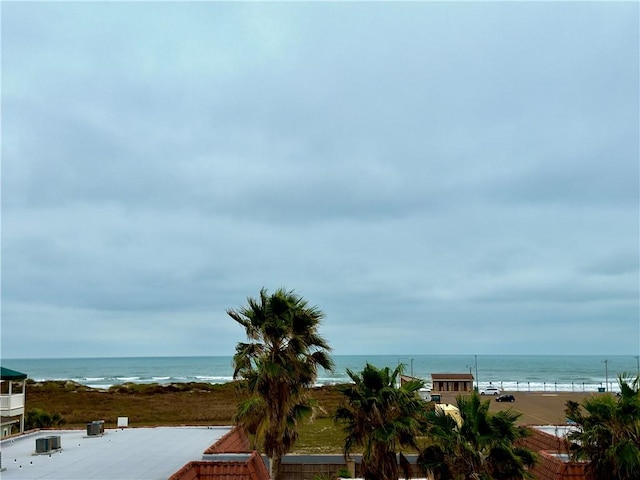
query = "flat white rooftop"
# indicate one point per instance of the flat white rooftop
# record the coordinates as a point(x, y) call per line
point(119, 454)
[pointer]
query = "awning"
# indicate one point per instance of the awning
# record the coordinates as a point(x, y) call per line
point(8, 374)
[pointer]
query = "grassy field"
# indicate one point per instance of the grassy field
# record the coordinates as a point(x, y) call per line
point(145, 405)
point(176, 404)
point(206, 404)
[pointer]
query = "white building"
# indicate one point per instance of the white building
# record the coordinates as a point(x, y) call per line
point(12, 396)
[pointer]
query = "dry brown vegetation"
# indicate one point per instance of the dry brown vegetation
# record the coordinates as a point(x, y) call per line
point(145, 405)
point(206, 404)
point(150, 405)
point(173, 405)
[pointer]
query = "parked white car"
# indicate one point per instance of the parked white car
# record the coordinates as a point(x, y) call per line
point(490, 390)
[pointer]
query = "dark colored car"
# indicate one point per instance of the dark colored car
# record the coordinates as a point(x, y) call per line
point(506, 398)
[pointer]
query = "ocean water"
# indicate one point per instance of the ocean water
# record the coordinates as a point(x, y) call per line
point(510, 372)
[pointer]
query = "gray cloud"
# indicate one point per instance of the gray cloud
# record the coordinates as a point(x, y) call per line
point(466, 170)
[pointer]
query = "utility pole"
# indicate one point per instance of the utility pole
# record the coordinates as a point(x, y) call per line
point(477, 382)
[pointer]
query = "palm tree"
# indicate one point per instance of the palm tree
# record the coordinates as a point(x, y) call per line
point(477, 445)
point(380, 417)
point(608, 432)
point(277, 367)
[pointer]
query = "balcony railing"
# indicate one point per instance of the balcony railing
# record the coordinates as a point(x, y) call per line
point(10, 403)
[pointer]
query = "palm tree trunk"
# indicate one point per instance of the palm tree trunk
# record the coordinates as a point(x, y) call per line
point(275, 467)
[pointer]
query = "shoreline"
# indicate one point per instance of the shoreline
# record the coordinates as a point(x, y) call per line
point(521, 373)
point(505, 387)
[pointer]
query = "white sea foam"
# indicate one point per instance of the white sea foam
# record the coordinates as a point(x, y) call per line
point(56, 379)
point(101, 386)
point(213, 378)
point(539, 373)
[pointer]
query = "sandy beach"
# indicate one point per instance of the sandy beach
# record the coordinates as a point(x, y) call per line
point(537, 408)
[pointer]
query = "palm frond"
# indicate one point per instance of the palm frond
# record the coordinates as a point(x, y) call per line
point(278, 365)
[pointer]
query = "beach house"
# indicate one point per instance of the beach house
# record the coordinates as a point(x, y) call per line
point(452, 382)
point(12, 400)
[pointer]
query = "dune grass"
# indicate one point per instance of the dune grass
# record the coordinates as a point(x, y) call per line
point(145, 405)
point(174, 405)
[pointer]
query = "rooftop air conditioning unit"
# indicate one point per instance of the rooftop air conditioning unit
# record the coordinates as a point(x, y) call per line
point(95, 428)
point(55, 441)
point(43, 445)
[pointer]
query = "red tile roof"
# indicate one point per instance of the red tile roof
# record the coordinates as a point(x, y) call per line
point(252, 469)
point(539, 440)
point(234, 441)
point(550, 466)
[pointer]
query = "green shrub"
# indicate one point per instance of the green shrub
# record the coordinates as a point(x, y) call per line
point(322, 476)
point(38, 418)
point(343, 473)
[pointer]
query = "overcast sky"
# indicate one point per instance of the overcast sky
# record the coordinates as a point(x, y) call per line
point(436, 177)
